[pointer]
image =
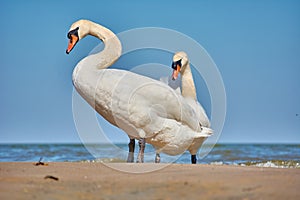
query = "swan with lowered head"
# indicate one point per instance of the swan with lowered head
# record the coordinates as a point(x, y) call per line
point(181, 66)
point(129, 101)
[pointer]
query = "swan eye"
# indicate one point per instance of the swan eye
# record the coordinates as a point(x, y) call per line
point(174, 64)
point(73, 32)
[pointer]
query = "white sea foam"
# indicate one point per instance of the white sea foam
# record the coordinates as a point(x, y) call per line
point(267, 164)
point(217, 163)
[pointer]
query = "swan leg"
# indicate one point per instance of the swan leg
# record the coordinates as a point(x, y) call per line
point(193, 159)
point(131, 146)
point(157, 158)
point(142, 143)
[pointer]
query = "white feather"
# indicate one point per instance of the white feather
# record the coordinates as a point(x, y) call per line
point(141, 106)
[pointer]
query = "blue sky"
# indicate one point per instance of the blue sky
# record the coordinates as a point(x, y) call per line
point(255, 44)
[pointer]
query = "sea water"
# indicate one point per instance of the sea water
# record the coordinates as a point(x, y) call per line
point(262, 155)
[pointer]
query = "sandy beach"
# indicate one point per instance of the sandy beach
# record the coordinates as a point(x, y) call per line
point(70, 180)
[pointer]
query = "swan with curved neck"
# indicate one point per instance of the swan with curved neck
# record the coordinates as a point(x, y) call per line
point(91, 65)
point(128, 100)
point(181, 65)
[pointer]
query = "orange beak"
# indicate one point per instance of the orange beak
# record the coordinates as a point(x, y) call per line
point(72, 42)
point(176, 72)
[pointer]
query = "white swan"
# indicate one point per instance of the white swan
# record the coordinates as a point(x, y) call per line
point(142, 107)
point(181, 65)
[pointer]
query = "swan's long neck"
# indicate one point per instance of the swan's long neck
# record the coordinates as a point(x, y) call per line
point(187, 83)
point(88, 75)
point(110, 54)
point(112, 50)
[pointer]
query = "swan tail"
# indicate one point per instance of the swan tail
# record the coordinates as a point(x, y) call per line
point(205, 132)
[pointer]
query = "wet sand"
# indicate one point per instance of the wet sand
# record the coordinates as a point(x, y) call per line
point(24, 180)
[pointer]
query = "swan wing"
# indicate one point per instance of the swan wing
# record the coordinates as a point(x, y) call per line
point(149, 103)
point(137, 104)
